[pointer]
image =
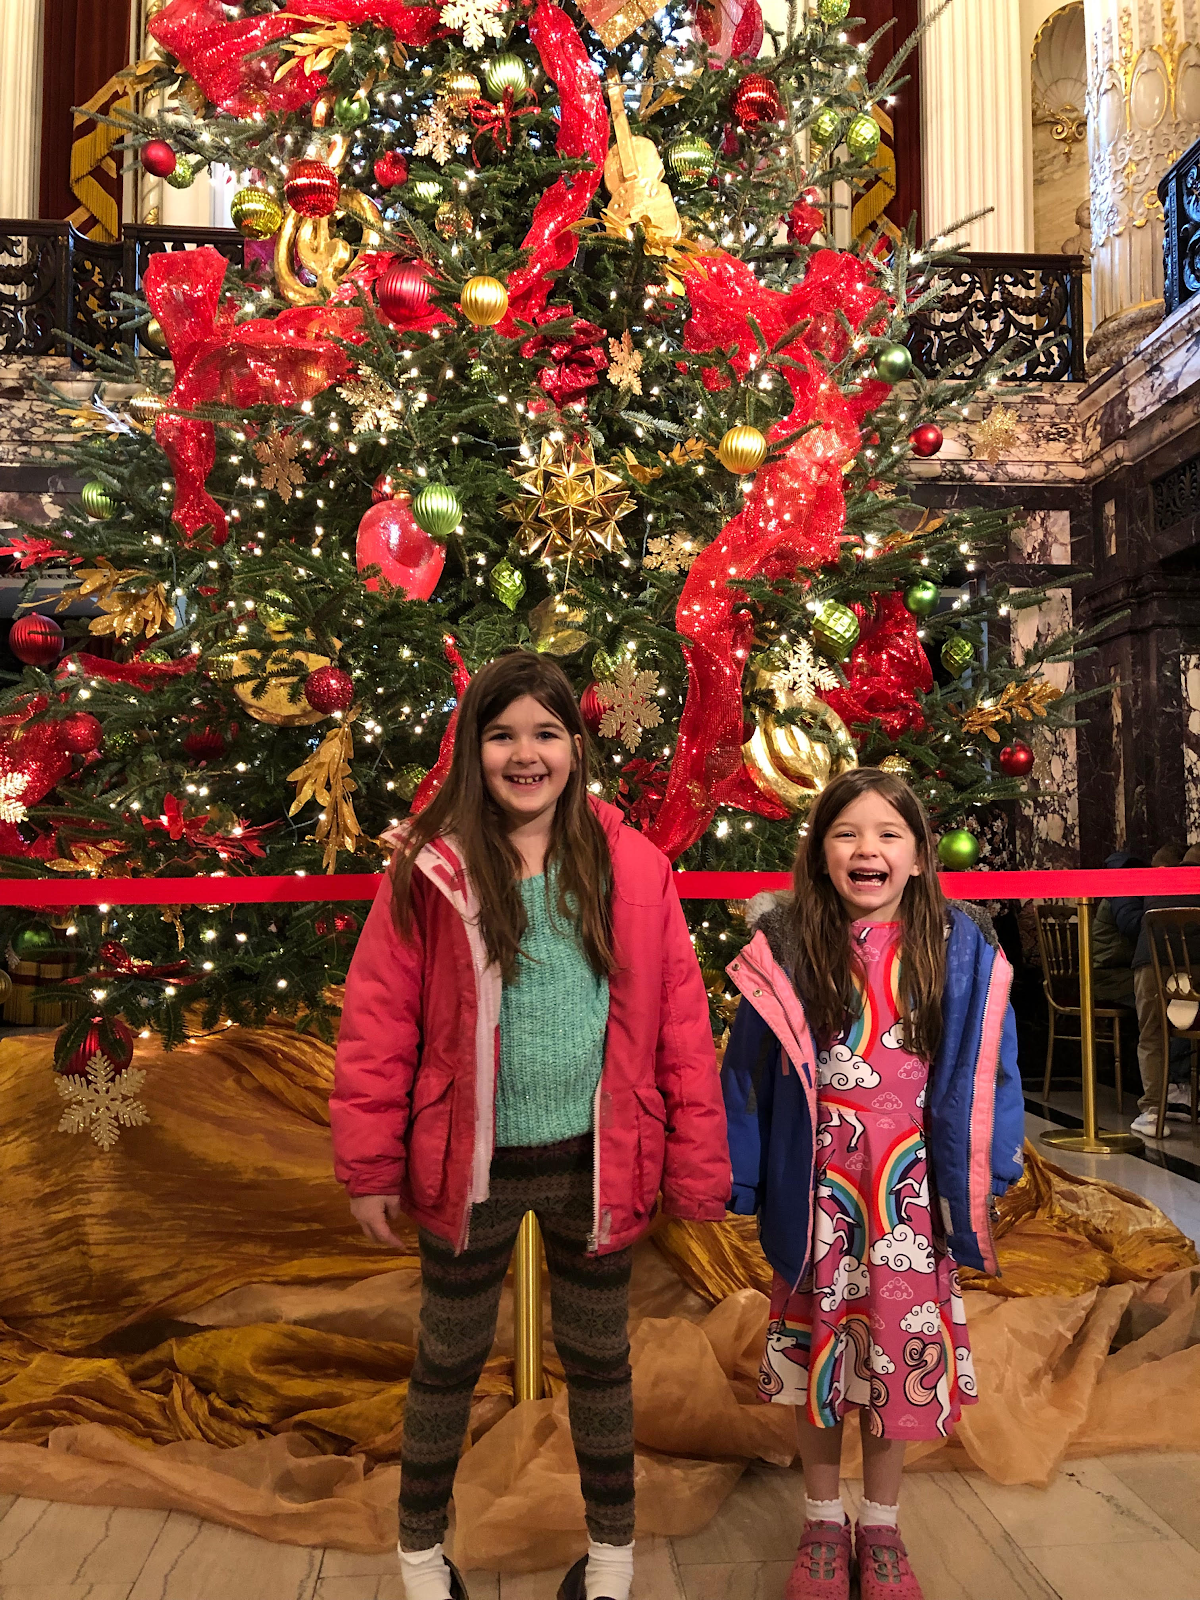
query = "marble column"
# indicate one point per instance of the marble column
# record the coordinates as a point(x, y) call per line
point(1143, 113)
point(20, 106)
point(973, 125)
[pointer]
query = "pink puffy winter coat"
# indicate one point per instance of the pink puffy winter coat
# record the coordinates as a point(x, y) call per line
point(413, 1105)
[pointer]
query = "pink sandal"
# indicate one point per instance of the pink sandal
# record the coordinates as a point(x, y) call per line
point(883, 1569)
point(822, 1566)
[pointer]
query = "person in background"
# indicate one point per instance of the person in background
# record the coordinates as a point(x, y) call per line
point(1150, 1025)
point(1112, 948)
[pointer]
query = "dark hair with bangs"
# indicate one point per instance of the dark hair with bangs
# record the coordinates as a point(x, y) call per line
point(464, 810)
point(823, 960)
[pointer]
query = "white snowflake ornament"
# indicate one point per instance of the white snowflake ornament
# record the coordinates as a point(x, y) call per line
point(478, 19)
point(805, 676)
point(104, 1102)
point(12, 786)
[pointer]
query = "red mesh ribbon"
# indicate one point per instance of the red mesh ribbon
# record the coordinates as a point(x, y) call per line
point(279, 362)
point(582, 131)
point(886, 668)
point(436, 776)
point(221, 54)
point(792, 518)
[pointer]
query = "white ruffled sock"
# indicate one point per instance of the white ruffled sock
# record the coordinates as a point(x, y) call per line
point(609, 1571)
point(824, 1510)
point(425, 1573)
point(872, 1515)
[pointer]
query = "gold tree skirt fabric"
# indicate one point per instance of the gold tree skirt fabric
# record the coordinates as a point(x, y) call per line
point(192, 1321)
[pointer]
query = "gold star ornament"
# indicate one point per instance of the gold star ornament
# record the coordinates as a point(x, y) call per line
point(570, 505)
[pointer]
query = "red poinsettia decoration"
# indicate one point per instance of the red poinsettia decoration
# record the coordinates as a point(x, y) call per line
point(234, 846)
point(576, 355)
point(641, 791)
point(31, 550)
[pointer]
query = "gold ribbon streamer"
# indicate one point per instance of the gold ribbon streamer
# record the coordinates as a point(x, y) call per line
point(870, 208)
point(91, 152)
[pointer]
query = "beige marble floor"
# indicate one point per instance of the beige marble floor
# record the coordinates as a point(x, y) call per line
point(1117, 1529)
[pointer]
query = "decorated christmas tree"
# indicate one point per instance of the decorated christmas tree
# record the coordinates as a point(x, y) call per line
point(541, 340)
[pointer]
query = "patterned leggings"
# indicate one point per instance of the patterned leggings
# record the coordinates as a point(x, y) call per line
point(460, 1298)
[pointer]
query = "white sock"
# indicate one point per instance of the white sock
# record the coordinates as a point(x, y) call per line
point(872, 1515)
point(425, 1573)
point(609, 1571)
point(824, 1510)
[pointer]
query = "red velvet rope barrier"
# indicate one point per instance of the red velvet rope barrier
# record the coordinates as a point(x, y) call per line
point(213, 891)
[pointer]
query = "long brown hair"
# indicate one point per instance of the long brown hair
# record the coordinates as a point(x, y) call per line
point(463, 809)
point(821, 949)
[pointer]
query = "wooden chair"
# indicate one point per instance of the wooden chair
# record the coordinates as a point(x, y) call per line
point(1178, 990)
point(1058, 945)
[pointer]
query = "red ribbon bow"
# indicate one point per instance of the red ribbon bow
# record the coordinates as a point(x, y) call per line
point(497, 120)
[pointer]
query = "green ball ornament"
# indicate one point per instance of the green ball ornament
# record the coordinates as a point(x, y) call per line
point(689, 159)
point(893, 363)
point(437, 510)
point(506, 72)
point(862, 137)
point(831, 12)
point(122, 742)
point(424, 191)
point(34, 943)
point(826, 128)
point(408, 780)
point(922, 597)
point(96, 500)
point(507, 583)
point(351, 111)
point(835, 629)
point(156, 657)
point(958, 850)
point(183, 175)
point(957, 655)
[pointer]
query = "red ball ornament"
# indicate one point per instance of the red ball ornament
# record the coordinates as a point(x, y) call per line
point(390, 169)
point(204, 743)
point(82, 733)
point(926, 440)
point(384, 488)
point(404, 290)
point(756, 100)
point(329, 689)
point(590, 708)
point(388, 537)
point(36, 640)
point(107, 1037)
point(158, 158)
point(312, 188)
point(1016, 760)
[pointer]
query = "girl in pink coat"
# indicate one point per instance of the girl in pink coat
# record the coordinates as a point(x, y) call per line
point(525, 1028)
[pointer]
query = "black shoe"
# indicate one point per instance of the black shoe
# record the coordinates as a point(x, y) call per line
point(572, 1587)
point(458, 1589)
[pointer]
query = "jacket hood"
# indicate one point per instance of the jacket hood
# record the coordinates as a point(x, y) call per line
point(1123, 858)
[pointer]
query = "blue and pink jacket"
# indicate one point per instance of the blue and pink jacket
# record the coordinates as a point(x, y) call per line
point(974, 1114)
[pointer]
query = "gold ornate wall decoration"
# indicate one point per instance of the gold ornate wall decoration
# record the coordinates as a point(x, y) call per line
point(1059, 76)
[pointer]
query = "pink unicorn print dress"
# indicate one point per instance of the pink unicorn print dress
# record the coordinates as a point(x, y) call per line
point(878, 1320)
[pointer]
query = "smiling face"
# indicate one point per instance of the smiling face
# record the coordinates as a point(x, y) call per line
point(870, 854)
point(527, 756)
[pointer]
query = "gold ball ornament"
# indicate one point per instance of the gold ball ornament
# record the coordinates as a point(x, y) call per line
point(256, 214)
point(275, 706)
point(451, 220)
point(484, 301)
point(897, 766)
point(460, 88)
point(788, 761)
point(144, 410)
point(153, 338)
point(742, 448)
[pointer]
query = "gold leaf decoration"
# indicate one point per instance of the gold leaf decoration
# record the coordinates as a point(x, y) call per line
point(128, 611)
point(1021, 700)
point(325, 777)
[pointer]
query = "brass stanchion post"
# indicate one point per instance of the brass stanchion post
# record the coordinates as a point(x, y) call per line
point(528, 1376)
point(1091, 1141)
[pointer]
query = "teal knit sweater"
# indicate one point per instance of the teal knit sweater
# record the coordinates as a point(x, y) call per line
point(553, 1020)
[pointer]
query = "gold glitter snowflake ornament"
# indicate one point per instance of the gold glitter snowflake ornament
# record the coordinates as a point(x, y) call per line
point(12, 786)
point(104, 1102)
point(625, 365)
point(571, 505)
point(672, 553)
point(629, 709)
point(277, 452)
point(996, 435)
point(376, 407)
point(438, 135)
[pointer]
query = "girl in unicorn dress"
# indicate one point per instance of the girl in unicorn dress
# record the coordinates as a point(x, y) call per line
point(875, 1111)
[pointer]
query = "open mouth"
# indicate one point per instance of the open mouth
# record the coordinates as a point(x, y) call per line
point(529, 781)
point(866, 878)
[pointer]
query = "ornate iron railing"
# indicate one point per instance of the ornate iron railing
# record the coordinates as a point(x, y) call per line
point(1179, 192)
point(57, 285)
point(1032, 302)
